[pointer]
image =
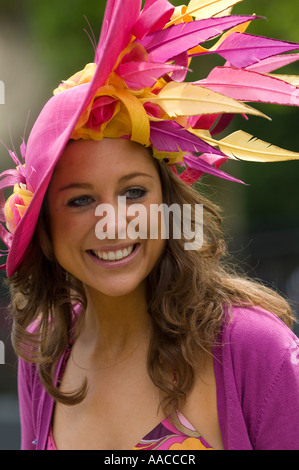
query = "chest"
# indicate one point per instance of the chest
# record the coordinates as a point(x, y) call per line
point(120, 408)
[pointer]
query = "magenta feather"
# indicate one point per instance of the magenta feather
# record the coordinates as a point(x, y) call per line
point(115, 37)
point(243, 50)
point(168, 43)
point(182, 61)
point(200, 164)
point(138, 75)
point(168, 136)
point(223, 122)
point(245, 85)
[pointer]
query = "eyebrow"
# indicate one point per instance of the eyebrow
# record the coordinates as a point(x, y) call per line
point(90, 186)
point(77, 186)
point(133, 175)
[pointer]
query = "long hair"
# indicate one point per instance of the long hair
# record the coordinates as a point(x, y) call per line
point(188, 295)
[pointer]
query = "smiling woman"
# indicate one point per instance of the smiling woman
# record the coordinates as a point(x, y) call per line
point(140, 343)
point(108, 173)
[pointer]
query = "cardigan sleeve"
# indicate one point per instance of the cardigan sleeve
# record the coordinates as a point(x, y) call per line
point(25, 391)
point(264, 367)
point(278, 422)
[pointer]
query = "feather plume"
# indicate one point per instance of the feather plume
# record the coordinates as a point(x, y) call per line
point(292, 79)
point(243, 146)
point(243, 50)
point(273, 63)
point(240, 28)
point(168, 43)
point(181, 99)
point(168, 136)
point(154, 16)
point(202, 9)
point(197, 163)
point(138, 75)
point(115, 36)
point(246, 85)
point(223, 122)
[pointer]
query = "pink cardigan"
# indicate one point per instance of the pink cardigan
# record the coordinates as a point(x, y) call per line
point(257, 374)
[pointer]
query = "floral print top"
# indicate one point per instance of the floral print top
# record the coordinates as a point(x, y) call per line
point(173, 433)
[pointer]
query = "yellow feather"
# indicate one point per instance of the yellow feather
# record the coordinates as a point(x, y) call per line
point(202, 9)
point(243, 146)
point(292, 79)
point(224, 13)
point(181, 99)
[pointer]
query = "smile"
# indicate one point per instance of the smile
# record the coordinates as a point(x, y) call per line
point(115, 259)
point(113, 255)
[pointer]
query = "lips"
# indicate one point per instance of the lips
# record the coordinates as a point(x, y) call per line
point(115, 257)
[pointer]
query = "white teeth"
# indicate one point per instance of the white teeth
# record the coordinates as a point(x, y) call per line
point(113, 255)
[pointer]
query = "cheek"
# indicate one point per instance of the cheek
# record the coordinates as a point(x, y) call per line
point(69, 229)
point(61, 227)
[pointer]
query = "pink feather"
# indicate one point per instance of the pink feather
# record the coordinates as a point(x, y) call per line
point(168, 136)
point(138, 75)
point(273, 63)
point(199, 164)
point(168, 43)
point(181, 60)
point(115, 36)
point(154, 16)
point(243, 50)
point(245, 85)
point(190, 176)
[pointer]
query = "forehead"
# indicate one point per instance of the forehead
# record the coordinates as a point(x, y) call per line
point(106, 158)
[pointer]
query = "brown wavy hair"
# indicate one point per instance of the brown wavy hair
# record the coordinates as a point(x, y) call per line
point(188, 294)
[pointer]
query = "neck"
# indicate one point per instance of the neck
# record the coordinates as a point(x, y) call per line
point(114, 327)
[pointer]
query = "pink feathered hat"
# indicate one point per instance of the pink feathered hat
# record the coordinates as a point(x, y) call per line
point(136, 89)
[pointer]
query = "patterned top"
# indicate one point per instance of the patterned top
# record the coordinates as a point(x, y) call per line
point(173, 433)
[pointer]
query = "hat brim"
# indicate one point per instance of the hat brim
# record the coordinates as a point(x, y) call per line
point(47, 141)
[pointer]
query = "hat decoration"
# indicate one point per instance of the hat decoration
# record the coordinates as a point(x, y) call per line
point(136, 88)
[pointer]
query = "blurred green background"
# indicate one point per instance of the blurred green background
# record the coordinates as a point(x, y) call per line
point(42, 43)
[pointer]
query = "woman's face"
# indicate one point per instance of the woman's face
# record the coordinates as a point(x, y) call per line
point(88, 175)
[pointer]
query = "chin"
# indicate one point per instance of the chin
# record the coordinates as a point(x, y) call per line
point(117, 288)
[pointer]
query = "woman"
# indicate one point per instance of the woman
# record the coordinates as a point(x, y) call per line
point(138, 343)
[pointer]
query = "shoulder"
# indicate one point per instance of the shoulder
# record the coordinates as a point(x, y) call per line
point(256, 349)
point(256, 331)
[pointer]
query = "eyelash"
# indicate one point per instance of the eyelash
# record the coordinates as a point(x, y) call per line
point(77, 202)
point(142, 193)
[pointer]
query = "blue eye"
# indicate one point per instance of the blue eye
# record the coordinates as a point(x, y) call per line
point(135, 193)
point(80, 201)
